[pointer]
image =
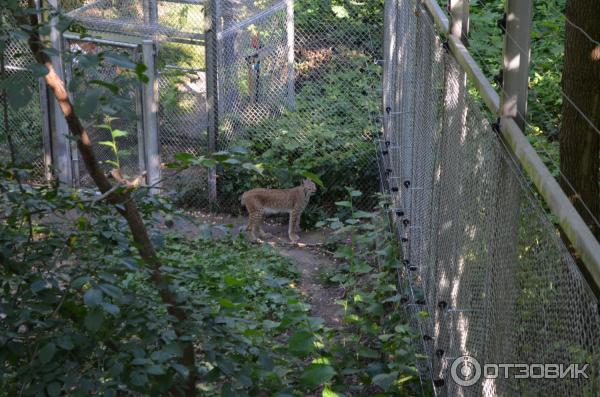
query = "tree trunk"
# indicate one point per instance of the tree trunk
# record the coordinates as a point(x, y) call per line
point(579, 138)
point(125, 204)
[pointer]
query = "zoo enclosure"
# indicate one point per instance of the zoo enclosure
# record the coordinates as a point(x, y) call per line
point(482, 256)
point(220, 74)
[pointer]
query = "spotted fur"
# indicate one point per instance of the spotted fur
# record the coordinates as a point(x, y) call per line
point(260, 202)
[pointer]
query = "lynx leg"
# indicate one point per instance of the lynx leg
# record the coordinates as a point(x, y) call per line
point(253, 218)
point(294, 219)
point(257, 225)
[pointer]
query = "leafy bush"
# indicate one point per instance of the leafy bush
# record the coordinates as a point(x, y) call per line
point(322, 135)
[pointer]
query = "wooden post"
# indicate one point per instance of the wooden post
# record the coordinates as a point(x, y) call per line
point(61, 146)
point(516, 55)
point(150, 116)
point(291, 83)
point(459, 19)
point(212, 88)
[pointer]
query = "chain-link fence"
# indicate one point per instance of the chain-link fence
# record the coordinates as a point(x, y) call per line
point(24, 124)
point(487, 274)
point(183, 121)
point(298, 88)
point(296, 85)
point(122, 149)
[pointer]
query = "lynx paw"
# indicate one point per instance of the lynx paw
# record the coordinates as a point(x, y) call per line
point(294, 238)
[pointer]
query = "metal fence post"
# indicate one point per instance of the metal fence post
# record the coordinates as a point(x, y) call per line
point(61, 146)
point(291, 83)
point(150, 12)
point(516, 55)
point(150, 116)
point(212, 89)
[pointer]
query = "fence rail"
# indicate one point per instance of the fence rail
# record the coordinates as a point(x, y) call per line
point(483, 257)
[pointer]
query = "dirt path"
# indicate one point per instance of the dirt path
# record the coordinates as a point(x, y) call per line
point(307, 255)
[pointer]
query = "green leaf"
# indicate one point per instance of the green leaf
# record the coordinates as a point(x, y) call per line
point(363, 214)
point(38, 70)
point(316, 374)
point(88, 102)
point(110, 144)
point(184, 157)
point(232, 281)
point(93, 321)
point(119, 60)
point(119, 133)
point(19, 95)
point(110, 308)
point(313, 177)
point(301, 343)
point(39, 285)
point(53, 389)
point(181, 369)
point(155, 370)
point(385, 380)
point(92, 297)
point(47, 353)
point(328, 392)
point(340, 12)
point(113, 88)
point(366, 352)
point(65, 343)
point(347, 204)
point(253, 167)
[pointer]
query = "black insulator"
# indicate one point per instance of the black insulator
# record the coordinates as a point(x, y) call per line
point(438, 382)
point(387, 143)
point(496, 127)
point(407, 184)
point(395, 189)
point(388, 171)
point(406, 222)
point(413, 268)
point(384, 152)
point(439, 353)
point(388, 110)
point(499, 78)
point(446, 46)
point(404, 299)
point(404, 240)
point(442, 305)
point(400, 213)
point(501, 23)
point(420, 302)
point(406, 262)
point(427, 338)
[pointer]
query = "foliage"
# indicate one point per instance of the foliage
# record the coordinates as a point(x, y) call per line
point(81, 315)
point(375, 351)
point(545, 99)
point(335, 142)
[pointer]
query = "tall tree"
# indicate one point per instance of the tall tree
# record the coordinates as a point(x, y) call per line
point(579, 134)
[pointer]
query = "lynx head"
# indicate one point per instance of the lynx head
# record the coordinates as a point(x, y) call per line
point(309, 186)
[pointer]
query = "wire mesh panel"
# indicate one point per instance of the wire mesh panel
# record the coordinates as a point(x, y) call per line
point(182, 127)
point(159, 19)
point(116, 127)
point(298, 88)
point(483, 258)
point(24, 123)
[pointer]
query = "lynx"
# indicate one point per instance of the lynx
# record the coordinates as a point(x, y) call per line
point(260, 202)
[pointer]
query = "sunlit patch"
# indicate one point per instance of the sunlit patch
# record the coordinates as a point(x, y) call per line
point(596, 54)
